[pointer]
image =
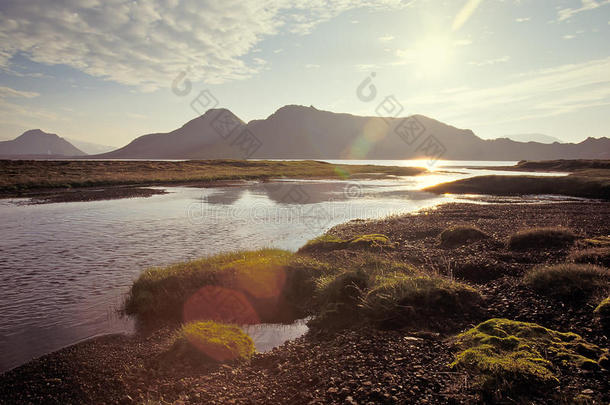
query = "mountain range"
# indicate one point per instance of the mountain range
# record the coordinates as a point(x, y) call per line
point(298, 132)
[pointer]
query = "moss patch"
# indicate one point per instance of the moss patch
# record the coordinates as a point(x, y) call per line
point(598, 241)
point(602, 311)
point(517, 357)
point(569, 281)
point(212, 341)
point(459, 235)
point(538, 238)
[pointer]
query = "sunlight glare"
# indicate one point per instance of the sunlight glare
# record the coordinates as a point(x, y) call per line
point(433, 55)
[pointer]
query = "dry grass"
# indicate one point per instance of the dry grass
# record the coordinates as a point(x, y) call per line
point(540, 238)
point(461, 234)
point(569, 281)
point(19, 175)
point(599, 256)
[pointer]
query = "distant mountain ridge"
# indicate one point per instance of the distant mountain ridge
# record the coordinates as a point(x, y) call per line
point(90, 147)
point(37, 142)
point(540, 138)
point(298, 132)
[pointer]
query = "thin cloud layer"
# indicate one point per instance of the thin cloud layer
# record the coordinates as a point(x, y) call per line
point(540, 93)
point(147, 43)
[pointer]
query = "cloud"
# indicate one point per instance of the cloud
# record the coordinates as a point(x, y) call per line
point(586, 5)
point(539, 93)
point(491, 61)
point(311, 66)
point(148, 43)
point(522, 19)
point(386, 38)
point(462, 42)
point(6, 92)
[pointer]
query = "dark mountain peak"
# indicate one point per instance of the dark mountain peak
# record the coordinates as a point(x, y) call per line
point(38, 142)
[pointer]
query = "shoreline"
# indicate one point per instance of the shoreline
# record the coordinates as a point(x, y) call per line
point(25, 176)
point(329, 367)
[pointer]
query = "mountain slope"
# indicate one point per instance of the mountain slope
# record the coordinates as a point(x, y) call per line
point(37, 142)
point(297, 132)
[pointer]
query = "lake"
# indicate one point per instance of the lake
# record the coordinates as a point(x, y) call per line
point(65, 267)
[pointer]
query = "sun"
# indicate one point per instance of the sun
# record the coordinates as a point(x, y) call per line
point(433, 56)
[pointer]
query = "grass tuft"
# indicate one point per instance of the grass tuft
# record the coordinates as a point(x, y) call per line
point(598, 255)
point(538, 238)
point(398, 298)
point(160, 293)
point(459, 235)
point(569, 281)
point(513, 358)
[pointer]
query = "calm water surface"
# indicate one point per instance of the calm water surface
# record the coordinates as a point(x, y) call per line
point(65, 267)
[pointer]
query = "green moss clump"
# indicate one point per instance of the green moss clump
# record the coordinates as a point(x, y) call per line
point(370, 241)
point(458, 235)
point(212, 341)
point(598, 241)
point(517, 357)
point(602, 311)
point(569, 281)
point(538, 238)
point(324, 242)
point(397, 298)
point(329, 242)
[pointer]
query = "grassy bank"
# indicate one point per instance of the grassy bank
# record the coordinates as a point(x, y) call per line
point(586, 184)
point(29, 175)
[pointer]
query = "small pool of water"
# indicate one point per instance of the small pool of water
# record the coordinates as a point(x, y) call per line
point(267, 336)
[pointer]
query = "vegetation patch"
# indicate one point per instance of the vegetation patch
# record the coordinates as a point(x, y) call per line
point(200, 341)
point(399, 299)
point(161, 293)
point(598, 241)
point(598, 255)
point(602, 311)
point(538, 238)
point(514, 358)
point(569, 281)
point(459, 235)
point(329, 242)
point(585, 183)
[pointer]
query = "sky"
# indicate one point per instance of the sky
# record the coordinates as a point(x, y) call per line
point(108, 71)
